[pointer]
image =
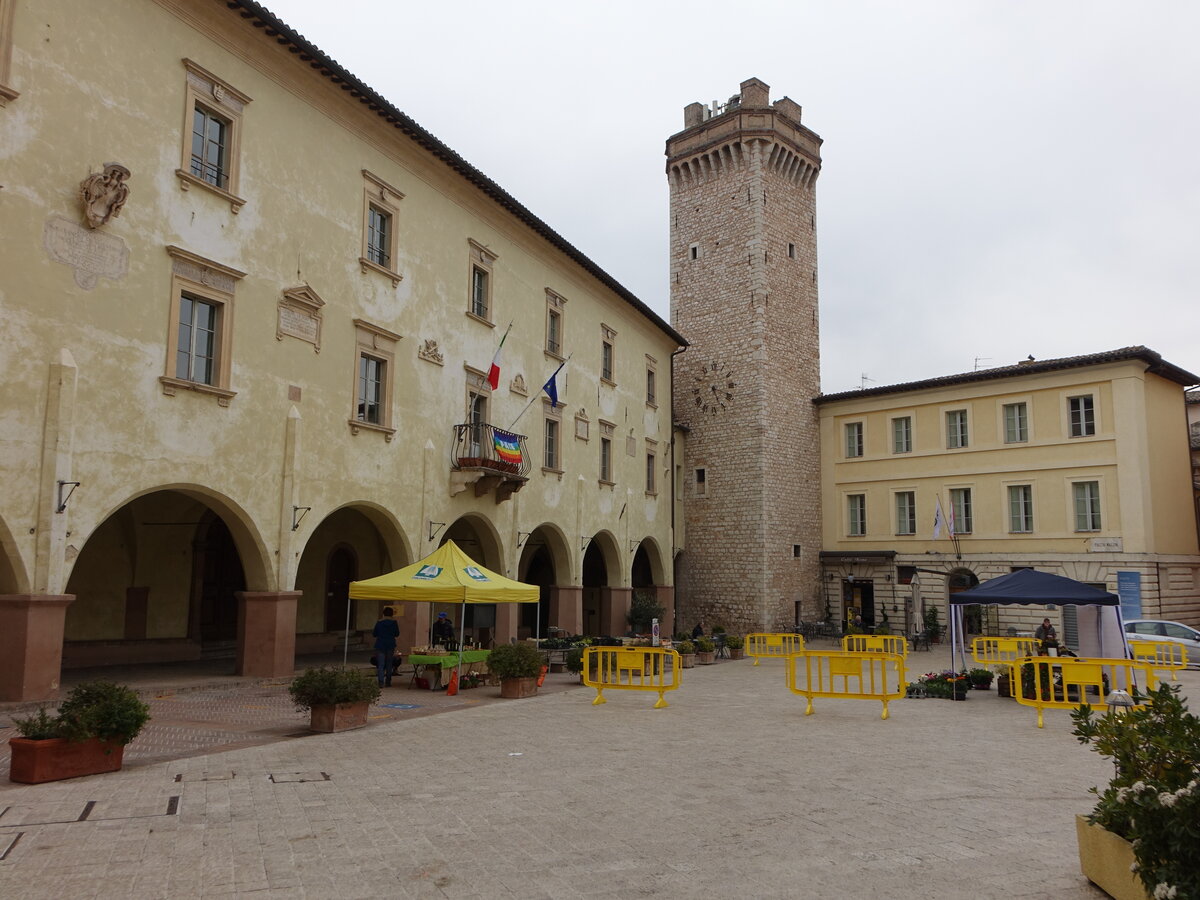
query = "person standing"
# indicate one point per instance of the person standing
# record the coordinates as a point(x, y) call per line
point(386, 633)
point(443, 631)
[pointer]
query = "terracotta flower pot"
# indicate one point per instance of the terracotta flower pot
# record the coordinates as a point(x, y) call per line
point(737, 654)
point(517, 688)
point(34, 762)
point(329, 718)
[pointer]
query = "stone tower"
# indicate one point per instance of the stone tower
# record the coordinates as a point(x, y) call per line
point(744, 293)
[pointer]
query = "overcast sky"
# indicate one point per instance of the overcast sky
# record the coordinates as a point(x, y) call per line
point(1001, 178)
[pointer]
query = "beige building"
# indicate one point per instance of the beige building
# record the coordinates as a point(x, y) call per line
point(249, 309)
point(1077, 466)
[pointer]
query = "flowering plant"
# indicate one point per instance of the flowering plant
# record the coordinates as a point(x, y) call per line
point(1154, 799)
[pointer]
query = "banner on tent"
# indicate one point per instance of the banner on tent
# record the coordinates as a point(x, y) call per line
point(632, 669)
point(876, 643)
point(773, 646)
point(1065, 682)
point(844, 675)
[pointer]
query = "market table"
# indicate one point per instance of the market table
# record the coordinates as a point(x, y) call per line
point(434, 665)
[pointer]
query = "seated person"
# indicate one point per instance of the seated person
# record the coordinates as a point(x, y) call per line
point(1047, 635)
point(698, 631)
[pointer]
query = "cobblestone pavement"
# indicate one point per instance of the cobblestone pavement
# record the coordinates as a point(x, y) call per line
point(729, 791)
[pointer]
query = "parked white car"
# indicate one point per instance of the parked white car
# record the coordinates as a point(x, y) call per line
point(1173, 632)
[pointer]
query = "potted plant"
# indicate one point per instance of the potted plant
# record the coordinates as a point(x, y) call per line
point(1145, 820)
point(981, 679)
point(87, 736)
point(336, 698)
point(736, 644)
point(706, 651)
point(574, 662)
point(687, 653)
point(517, 666)
point(1003, 682)
point(643, 610)
point(932, 631)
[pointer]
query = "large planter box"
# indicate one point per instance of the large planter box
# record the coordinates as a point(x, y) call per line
point(706, 659)
point(1104, 859)
point(54, 759)
point(517, 688)
point(688, 660)
point(737, 654)
point(329, 718)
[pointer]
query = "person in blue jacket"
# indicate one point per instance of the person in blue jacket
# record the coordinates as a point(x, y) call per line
point(386, 632)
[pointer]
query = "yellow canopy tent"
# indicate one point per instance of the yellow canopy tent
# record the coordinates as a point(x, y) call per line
point(447, 575)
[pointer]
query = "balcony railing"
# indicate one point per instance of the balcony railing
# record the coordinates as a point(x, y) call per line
point(489, 448)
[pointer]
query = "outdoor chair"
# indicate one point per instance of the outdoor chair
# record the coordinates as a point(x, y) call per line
point(722, 650)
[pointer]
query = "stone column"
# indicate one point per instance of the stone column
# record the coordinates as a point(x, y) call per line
point(266, 645)
point(508, 617)
point(664, 595)
point(614, 608)
point(566, 608)
point(31, 641)
point(414, 625)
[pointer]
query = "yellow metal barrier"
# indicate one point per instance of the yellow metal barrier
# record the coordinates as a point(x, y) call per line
point(632, 669)
point(773, 646)
point(876, 643)
point(1160, 655)
point(875, 676)
point(1065, 682)
point(1002, 650)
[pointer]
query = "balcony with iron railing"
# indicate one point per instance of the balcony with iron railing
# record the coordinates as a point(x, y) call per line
point(488, 457)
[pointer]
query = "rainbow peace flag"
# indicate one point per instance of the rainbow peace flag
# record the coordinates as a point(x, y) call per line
point(508, 446)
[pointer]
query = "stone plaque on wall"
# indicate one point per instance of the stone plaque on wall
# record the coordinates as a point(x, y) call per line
point(300, 316)
point(92, 254)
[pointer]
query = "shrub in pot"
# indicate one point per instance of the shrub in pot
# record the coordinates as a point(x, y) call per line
point(336, 698)
point(87, 735)
point(981, 679)
point(687, 653)
point(706, 651)
point(517, 666)
point(736, 645)
point(1153, 800)
point(574, 662)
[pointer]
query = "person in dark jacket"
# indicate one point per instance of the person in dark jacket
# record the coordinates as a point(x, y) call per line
point(443, 631)
point(386, 633)
point(698, 631)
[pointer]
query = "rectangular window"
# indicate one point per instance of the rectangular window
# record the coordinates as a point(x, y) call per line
point(854, 439)
point(960, 508)
point(1016, 423)
point(210, 147)
point(902, 434)
point(856, 514)
point(381, 215)
point(1082, 416)
point(701, 482)
point(651, 481)
point(651, 386)
point(791, 251)
point(200, 329)
point(379, 236)
point(606, 460)
point(956, 429)
point(906, 512)
point(606, 360)
point(371, 383)
point(1020, 508)
point(196, 351)
point(551, 445)
point(554, 332)
point(1087, 505)
point(373, 379)
point(479, 292)
point(212, 131)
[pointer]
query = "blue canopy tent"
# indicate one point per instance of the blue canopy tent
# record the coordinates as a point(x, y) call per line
point(1101, 629)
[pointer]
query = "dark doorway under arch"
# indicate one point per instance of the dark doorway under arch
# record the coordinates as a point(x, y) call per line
point(219, 577)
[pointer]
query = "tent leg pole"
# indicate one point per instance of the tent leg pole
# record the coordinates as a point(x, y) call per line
point(346, 637)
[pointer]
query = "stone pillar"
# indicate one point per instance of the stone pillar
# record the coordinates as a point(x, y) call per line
point(664, 595)
point(508, 617)
point(614, 609)
point(266, 646)
point(414, 625)
point(566, 608)
point(31, 642)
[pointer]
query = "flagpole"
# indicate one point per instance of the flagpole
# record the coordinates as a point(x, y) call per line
point(536, 396)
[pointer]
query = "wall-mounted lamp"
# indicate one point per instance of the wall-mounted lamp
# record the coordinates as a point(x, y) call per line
point(62, 501)
point(297, 519)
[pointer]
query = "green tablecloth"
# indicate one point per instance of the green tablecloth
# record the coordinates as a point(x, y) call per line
point(449, 662)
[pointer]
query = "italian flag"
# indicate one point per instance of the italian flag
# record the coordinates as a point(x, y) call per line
point(493, 376)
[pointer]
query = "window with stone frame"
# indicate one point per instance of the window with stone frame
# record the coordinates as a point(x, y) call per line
point(374, 374)
point(479, 294)
point(212, 137)
point(608, 352)
point(906, 512)
point(651, 467)
point(902, 434)
point(1081, 412)
point(551, 437)
point(1086, 497)
point(1020, 508)
point(381, 215)
point(7, 10)
point(651, 381)
point(956, 429)
point(1016, 423)
point(606, 452)
point(961, 510)
point(856, 515)
point(555, 325)
point(854, 439)
point(201, 324)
